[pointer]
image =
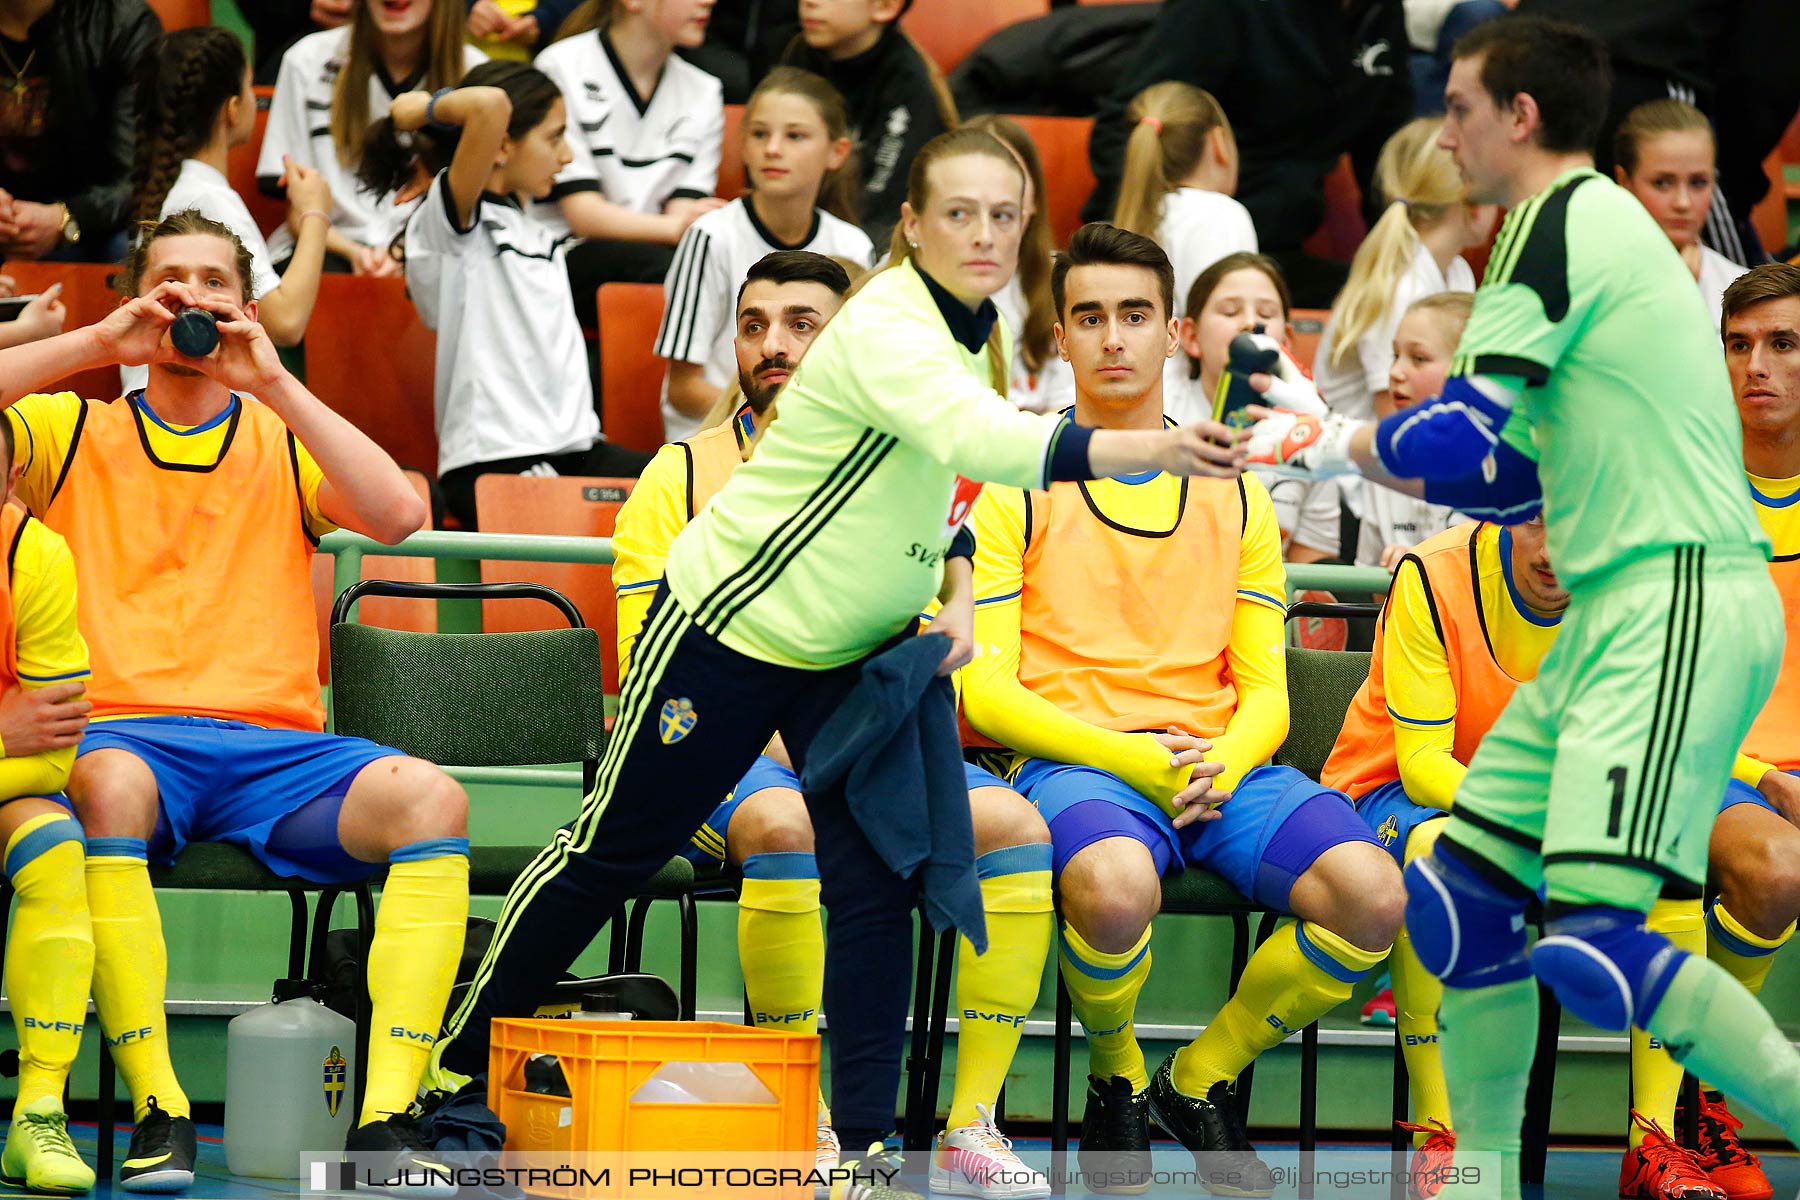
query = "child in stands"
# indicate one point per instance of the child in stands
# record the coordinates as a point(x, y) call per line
point(804, 194)
point(333, 85)
point(1181, 167)
point(1414, 250)
point(1392, 522)
point(513, 392)
point(1665, 157)
point(194, 105)
point(1042, 380)
point(898, 98)
point(646, 130)
point(1239, 293)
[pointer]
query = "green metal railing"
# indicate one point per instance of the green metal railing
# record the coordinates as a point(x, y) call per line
point(349, 550)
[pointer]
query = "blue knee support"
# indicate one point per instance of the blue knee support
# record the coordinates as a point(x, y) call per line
point(1466, 931)
point(1604, 966)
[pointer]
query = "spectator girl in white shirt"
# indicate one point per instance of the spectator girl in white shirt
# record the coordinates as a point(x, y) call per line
point(1393, 522)
point(645, 129)
point(1041, 380)
point(1414, 250)
point(513, 394)
point(1239, 293)
point(1180, 169)
point(805, 194)
point(195, 104)
point(1665, 157)
point(332, 86)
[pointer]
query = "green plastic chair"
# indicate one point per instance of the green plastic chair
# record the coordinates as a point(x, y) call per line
point(495, 700)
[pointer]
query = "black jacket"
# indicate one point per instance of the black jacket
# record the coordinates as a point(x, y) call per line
point(1303, 82)
point(893, 112)
point(78, 147)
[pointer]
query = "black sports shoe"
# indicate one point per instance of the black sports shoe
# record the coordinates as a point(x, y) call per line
point(1114, 1153)
point(393, 1149)
point(161, 1158)
point(1226, 1160)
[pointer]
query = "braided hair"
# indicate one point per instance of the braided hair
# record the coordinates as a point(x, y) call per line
point(187, 78)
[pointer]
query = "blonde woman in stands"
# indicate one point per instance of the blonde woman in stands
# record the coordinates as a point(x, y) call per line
point(1240, 293)
point(804, 195)
point(1181, 167)
point(897, 96)
point(332, 86)
point(645, 129)
point(194, 105)
point(1414, 250)
point(1042, 379)
point(1665, 157)
point(513, 393)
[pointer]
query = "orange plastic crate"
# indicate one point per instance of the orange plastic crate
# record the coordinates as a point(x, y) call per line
point(606, 1062)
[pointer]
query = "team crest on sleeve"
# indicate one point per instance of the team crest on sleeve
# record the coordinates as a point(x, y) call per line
point(334, 1071)
point(1388, 830)
point(676, 720)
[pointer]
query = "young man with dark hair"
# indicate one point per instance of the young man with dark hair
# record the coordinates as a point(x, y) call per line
point(1134, 685)
point(195, 512)
point(1589, 359)
point(762, 830)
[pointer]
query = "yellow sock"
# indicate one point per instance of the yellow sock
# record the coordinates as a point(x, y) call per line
point(1744, 954)
point(1298, 975)
point(995, 991)
point(1655, 1077)
point(781, 945)
point(49, 951)
point(1417, 993)
point(419, 930)
point(1104, 990)
point(131, 972)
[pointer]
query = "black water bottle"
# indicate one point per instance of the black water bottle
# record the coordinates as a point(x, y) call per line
point(195, 332)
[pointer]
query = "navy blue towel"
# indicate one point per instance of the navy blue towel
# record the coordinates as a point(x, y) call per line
point(894, 742)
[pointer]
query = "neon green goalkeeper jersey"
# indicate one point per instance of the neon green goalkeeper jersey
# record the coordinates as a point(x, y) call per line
point(1627, 405)
point(833, 535)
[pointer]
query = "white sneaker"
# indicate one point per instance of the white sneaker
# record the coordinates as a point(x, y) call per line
point(978, 1160)
point(826, 1150)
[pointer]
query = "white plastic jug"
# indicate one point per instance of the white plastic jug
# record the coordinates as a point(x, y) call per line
point(288, 1090)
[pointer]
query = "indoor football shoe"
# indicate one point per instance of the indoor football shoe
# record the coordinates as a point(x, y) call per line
point(1380, 1008)
point(884, 1178)
point(39, 1154)
point(1658, 1169)
point(1209, 1127)
point(978, 1160)
point(1114, 1153)
point(394, 1149)
point(1430, 1160)
point(826, 1149)
point(161, 1157)
point(1733, 1169)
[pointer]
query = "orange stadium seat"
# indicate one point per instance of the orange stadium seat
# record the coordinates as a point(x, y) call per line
point(179, 14)
point(389, 612)
point(578, 506)
point(731, 155)
point(630, 375)
point(949, 29)
point(240, 169)
point(1062, 143)
point(88, 294)
point(370, 357)
point(1308, 324)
